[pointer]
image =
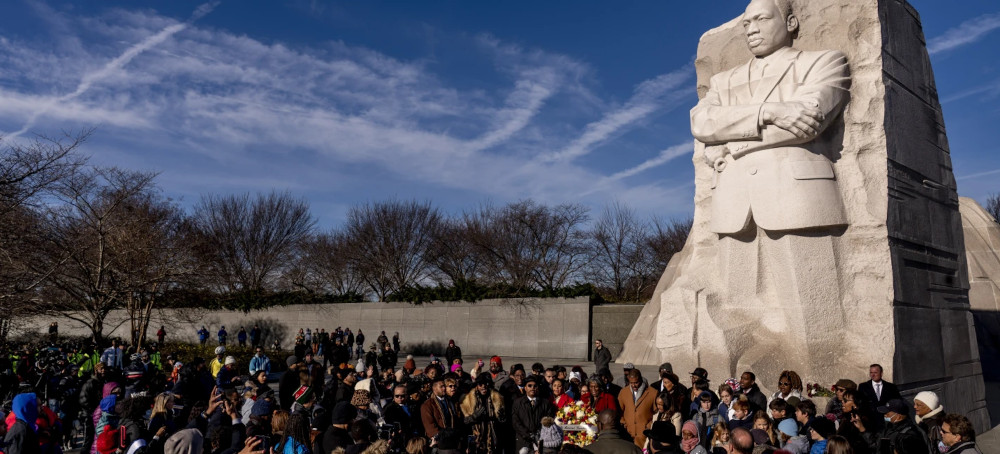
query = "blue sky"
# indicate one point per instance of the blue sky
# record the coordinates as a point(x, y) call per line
point(453, 102)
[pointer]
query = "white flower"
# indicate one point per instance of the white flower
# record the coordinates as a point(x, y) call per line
point(580, 414)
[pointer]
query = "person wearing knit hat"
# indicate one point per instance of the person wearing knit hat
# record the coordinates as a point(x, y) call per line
point(303, 398)
point(792, 441)
point(929, 415)
point(410, 365)
point(820, 431)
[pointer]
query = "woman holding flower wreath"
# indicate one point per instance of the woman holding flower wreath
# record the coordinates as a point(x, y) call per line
point(598, 400)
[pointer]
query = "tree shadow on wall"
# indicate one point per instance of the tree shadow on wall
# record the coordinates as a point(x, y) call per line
point(270, 330)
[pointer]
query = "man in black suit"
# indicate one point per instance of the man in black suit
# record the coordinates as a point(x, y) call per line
point(877, 391)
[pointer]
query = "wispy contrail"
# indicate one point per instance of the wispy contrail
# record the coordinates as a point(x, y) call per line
point(118, 63)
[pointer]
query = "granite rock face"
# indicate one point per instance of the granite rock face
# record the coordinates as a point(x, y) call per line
point(900, 262)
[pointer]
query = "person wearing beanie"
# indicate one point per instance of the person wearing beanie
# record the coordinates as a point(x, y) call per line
point(929, 415)
point(410, 365)
point(690, 439)
point(791, 441)
point(228, 376)
point(820, 431)
point(497, 372)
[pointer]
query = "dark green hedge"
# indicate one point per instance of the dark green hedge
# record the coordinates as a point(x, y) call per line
point(471, 291)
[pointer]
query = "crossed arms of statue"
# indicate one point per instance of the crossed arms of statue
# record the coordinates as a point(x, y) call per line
point(740, 129)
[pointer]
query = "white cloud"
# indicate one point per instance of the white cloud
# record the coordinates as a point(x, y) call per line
point(664, 157)
point(207, 95)
point(648, 97)
point(967, 32)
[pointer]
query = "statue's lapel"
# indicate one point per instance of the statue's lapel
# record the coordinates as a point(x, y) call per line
point(773, 74)
point(739, 85)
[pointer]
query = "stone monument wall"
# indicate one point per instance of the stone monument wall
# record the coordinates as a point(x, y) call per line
point(900, 262)
point(541, 328)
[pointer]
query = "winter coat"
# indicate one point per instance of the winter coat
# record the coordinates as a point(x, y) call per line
point(451, 353)
point(798, 444)
point(290, 446)
point(903, 436)
point(527, 419)
point(610, 442)
point(602, 357)
point(931, 424)
point(21, 437)
point(965, 447)
point(433, 416)
point(604, 402)
point(636, 413)
point(484, 415)
point(757, 399)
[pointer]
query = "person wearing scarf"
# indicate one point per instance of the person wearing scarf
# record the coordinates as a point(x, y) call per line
point(691, 440)
point(21, 437)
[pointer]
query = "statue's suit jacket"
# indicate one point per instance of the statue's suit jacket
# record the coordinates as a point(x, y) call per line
point(781, 181)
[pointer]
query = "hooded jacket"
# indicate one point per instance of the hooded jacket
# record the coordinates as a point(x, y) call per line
point(21, 438)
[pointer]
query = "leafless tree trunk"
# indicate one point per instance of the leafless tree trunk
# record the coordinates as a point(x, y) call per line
point(452, 254)
point(527, 245)
point(247, 243)
point(28, 174)
point(621, 265)
point(390, 242)
point(326, 267)
point(90, 234)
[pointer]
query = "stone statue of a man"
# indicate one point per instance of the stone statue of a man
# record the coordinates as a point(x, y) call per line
point(776, 205)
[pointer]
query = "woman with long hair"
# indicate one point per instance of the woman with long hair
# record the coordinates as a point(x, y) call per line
point(162, 416)
point(559, 397)
point(295, 437)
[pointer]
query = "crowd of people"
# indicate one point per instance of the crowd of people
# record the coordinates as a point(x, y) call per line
point(333, 399)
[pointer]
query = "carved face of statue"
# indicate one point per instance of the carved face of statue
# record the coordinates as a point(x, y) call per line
point(765, 29)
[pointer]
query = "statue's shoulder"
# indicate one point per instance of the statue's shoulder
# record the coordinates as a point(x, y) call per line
point(813, 56)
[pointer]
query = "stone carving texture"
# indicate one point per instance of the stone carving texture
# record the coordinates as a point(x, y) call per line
point(899, 264)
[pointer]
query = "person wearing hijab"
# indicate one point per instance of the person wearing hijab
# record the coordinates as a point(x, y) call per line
point(691, 439)
point(21, 437)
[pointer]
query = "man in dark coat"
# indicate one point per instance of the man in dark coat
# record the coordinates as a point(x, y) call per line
point(609, 441)
point(337, 435)
point(527, 415)
point(438, 412)
point(749, 388)
point(602, 356)
point(400, 412)
point(878, 392)
point(900, 434)
point(21, 438)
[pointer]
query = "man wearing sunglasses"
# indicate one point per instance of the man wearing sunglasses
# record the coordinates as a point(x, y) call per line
point(527, 416)
point(400, 412)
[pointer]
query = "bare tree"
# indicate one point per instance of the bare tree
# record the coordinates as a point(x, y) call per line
point(453, 255)
point(154, 253)
point(325, 266)
point(621, 265)
point(527, 245)
point(28, 174)
point(89, 241)
point(247, 242)
point(993, 206)
point(390, 242)
point(667, 238)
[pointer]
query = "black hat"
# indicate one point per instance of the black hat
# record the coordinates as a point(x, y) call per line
point(485, 379)
point(531, 379)
point(823, 426)
point(895, 406)
point(343, 413)
point(700, 373)
point(663, 432)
